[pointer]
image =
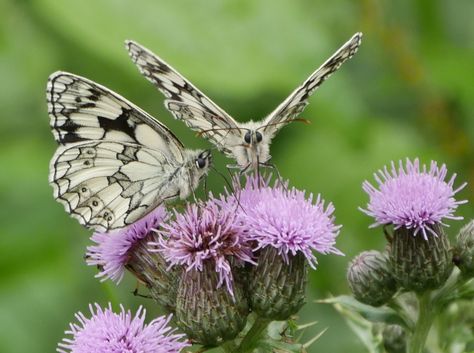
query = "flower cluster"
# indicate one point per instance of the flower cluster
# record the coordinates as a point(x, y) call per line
point(411, 200)
point(252, 217)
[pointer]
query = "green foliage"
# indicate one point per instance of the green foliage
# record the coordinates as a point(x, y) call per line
point(408, 92)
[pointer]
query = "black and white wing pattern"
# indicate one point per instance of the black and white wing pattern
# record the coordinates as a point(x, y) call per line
point(184, 100)
point(114, 162)
point(298, 99)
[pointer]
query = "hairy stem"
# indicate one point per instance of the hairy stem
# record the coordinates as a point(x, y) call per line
point(251, 338)
point(425, 319)
point(229, 347)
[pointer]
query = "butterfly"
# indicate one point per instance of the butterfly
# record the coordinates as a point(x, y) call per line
point(115, 162)
point(247, 143)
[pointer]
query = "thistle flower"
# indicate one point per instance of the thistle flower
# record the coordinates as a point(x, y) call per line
point(206, 233)
point(209, 242)
point(286, 227)
point(111, 251)
point(286, 219)
point(416, 200)
point(109, 332)
point(412, 197)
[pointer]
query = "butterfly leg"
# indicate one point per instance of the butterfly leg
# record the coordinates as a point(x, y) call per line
point(135, 293)
point(274, 167)
point(204, 186)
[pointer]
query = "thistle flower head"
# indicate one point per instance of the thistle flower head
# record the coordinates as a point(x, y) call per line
point(412, 196)
point(286, 219)
point(207, 232)
point(109, 332)
point(111, 250)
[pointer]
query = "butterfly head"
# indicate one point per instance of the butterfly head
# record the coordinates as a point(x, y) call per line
point(253, 148)
point(252, 137)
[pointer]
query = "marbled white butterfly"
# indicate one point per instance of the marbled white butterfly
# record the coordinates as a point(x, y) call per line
point(247, 143)
point(115, 163)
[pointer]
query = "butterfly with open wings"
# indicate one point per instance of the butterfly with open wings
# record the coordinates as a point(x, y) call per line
point(115, 163)
point(247, 143)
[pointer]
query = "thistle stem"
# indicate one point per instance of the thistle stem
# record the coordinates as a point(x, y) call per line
point(251, 338)
point(229, 347)
point(425, 319)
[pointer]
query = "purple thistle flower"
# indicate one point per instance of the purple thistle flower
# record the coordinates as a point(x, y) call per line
point(286, 219)
point(412, 196)
point(111, 250)
point(206, 232)
point(108, 332)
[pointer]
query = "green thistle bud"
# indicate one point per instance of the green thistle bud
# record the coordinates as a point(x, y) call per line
point(151, 269)
point(394, 339)
point(277, 288)
point(207, 314)
point(370, 278)
point(463, 253)
point(420, 264)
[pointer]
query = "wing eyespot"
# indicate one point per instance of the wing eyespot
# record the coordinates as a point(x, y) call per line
point(95, 203)
point(83, 191)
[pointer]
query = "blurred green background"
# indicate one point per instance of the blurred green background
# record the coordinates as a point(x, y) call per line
point(408, 92)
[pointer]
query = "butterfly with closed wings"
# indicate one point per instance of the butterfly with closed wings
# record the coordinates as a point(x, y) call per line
point(115, 163)
point(247, 143)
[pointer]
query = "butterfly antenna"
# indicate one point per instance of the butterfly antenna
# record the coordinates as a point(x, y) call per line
point(305, 121)
point(202, 132)
point(279, 177)
point(236, 194)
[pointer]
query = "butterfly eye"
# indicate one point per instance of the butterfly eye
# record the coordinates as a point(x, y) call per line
point(248, 137)
point(258, 136)
point(200, 163)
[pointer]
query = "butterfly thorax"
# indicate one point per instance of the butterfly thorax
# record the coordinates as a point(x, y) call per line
point(253, 147)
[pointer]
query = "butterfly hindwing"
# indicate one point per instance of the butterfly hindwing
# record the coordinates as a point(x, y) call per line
point(114, 162)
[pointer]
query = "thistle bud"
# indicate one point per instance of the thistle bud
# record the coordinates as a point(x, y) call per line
point(126, 248)
point(277, 287)
point(370, 278)
point(420, 264)
point(209, 314)
point(394, 339)
point(151, 269)
point(463, 253)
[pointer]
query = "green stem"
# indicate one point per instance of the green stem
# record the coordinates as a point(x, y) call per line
point(229, 346)
point(423, 324)
point(253, 335)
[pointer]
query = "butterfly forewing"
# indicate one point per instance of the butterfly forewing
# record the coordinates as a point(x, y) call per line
point(114, 162)
point(183, 99)
point(295, 103)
